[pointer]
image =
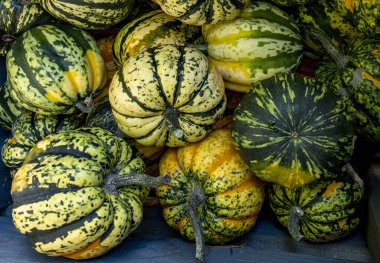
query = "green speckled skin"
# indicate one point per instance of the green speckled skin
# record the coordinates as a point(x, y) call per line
point(88, 14)
point(30, 128)
point(331, 207)
point(233, 195)
point(359, 83)
point(61, 182)
point(9, 108)
point(290, 130)
point(290, 2)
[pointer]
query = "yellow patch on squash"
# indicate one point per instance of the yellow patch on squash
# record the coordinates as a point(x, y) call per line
point(54, 97)
point(81, 254)
point(369, 77)
point(342, 223)
point(331, 188)
point(349, 4)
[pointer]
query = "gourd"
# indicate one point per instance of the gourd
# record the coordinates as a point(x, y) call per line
point(290, 2)
point(322, 211)
point(213, 197)
point(198, 13)
point(54, 69)
point(261, 42)
point(89, 14)
point(81, 187)
point(9, 108)
point(291, 130)
point(150, 30)
point(167, 95)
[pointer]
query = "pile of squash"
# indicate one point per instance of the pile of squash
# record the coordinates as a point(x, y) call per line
point(217, 105)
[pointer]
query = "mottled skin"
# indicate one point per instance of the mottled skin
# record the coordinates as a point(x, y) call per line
point(232, 195)
point(9, 108)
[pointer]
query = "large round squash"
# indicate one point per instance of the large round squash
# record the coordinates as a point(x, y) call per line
point(291, 131)
point(53, 69)
point(64, 195)
point(261, 42)
point(210, 180)
point(195, 12)
point(167, 95)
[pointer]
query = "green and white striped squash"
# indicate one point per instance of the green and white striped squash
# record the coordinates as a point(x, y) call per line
point(9, 108)
point(167, 95)
point(54, 69)
point(322, 211)
point(150, 30)
point(195, 12)
point(17, 16)
point(291, 131)
point(262, 41)
point(61, 197)
point(89, 14)
point(28, 129)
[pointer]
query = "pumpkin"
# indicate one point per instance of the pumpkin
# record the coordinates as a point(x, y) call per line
point(54, 69)
point(291, 131)
point(76, 195)
point(353, 72)
point(212, 193)
point(9, 108)
point(28, 129)
point(198, 13)
point(261, 42)
point(16, 17)
point(167, 95)
point(150, 30)
point(89, 14)
point(322, 211)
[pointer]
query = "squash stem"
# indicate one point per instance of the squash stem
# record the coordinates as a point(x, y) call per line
point(202, 48)
point(115, 180)
point(86, 105)
point(351, 172)
point(196, 198)
point(171, 117)
point(340, 59)
point(295, 215)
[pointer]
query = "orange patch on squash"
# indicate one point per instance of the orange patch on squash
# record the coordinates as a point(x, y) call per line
point(349, 4)
point(80, 254)
point(331, 188)
point(248, 184)
point(369, 77)
point(228, 155)
point(13, 140)
point(19, 182)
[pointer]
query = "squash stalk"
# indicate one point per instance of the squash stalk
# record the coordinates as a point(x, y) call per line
point(295, 215)
point(86, 105)
point(171, 117)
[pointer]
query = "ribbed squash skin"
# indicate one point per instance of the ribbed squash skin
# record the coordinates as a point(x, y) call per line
point(150, 30)
point(29, 129)
point(290, 2)
point(359, 83)
point(89, 14)
point(16, 17)
point(165, 79)
point(59, 199)
point(260, 42)
point(198, 13)
point(51, 68)
point(233, 195)
point(331, 207)
point(9, 108)
point(292, 131)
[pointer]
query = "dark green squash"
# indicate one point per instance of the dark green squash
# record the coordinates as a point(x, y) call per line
point(290, 130)
point(9, 108)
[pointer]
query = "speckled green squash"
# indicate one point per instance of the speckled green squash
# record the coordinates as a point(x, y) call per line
point(261, 42)
point(59, 199)
point(358, 81)
point(195, 12)
point(290, 130)
point(290, 2)
point(167, 95)
point(9, 108)
point(331, 208)
point(30, 128)
point(232, 195)
point(150, 30)
point(17, 16)
point(89, 14)
point(51, 69)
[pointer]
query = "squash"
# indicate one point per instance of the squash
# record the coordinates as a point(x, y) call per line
point(89, 14)
point(81, 187)
point(322, 211)
point(150, 30)
point(167, 95)
point(261, 42)
point(28, 129)
point(212, 194)
point(198, 13)
point(9, 108)
point(54, 69)
point(290, 2)
point(291, 131)
point(16, 17)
